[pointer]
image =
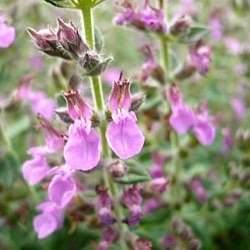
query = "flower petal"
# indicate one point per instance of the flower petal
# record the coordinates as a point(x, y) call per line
point(82, 151)
point(204, 132)
point(182, 119)
point(125, 138)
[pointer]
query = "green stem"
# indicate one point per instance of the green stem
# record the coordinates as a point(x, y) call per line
point(97, 93)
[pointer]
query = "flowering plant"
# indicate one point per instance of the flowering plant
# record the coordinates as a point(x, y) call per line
point(133, 141)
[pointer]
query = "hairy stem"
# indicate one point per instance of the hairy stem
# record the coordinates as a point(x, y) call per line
point(97, 93)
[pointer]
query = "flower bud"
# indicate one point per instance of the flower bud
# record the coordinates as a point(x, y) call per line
point(142, 244)
point(118, 169)
point(181, 26)
point(69, 38)
point(47, 42)
point(194, 245)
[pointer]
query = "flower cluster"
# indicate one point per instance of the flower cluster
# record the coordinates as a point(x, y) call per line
point(148, 19)
point(81, 148)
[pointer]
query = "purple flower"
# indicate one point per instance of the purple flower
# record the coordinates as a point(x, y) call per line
point(82, 150)
point(156, 170)
point(169, 241)
point(133, 200)
point(61, 190)
point(151, 67)
point(123, 134)
point(152, 205)
point(53, 138)
point(104, 206)
point(49, 221)
point(200, 192)
point(215, 24)
point(182, 118)
point(228, 140)
point(200, 56)
point(153, 18)
point(7, 34)
point(149, 18)
point(203, 128)
point(238, 107)
point(35, 170)
point(40, 103)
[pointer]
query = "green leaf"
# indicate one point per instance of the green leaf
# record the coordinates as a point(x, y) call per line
point(176, 63)
point(151, 103)
point(62, 3)
point(136, 174)
point(195, 33)
point(8, 169)
point(99, 40)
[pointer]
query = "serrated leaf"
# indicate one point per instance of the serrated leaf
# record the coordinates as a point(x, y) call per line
point(61, 3)
point(195, 33)
point(135, 174)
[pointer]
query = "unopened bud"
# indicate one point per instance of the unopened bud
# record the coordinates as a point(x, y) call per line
point(118, 169)
point(186, 234)
point(70, 39)
point(142, 244)
point(181, 26)
point(46, 41)
point(194, 245)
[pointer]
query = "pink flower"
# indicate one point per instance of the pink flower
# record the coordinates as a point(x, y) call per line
point(61, 190)
point(203, 127)
point(35, 170)
point(7, 34)
point(182, 118)
point(40, 103)
point(82, 151)
point(200, 192)
point(49, 221)
point(238, 107)
point(149, 18)
point(200, 56)
point(123, 134)
point(215, 24)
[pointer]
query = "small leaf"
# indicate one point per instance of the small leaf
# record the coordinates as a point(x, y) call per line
point(99, 41)
point(176, 63)
point(61, 3)
point(195, 33)
point(136, 174)
point(8, 169)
